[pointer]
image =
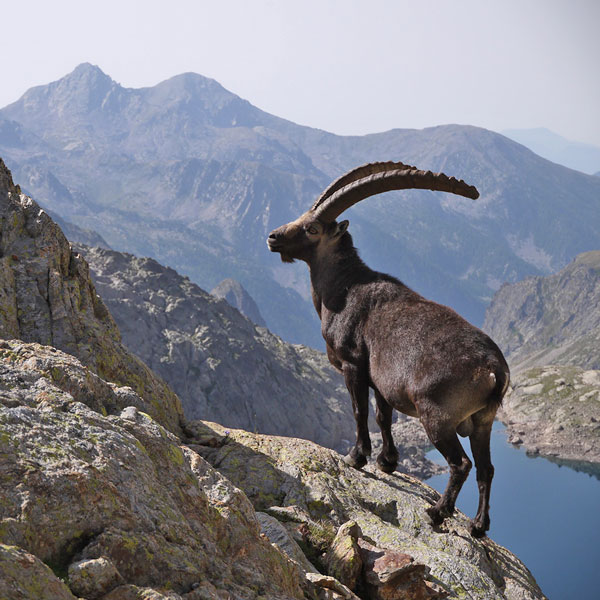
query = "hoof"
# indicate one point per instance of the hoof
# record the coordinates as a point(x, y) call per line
point(478, 530)
point(387, 466)
point(356, 462)
point(436, 516)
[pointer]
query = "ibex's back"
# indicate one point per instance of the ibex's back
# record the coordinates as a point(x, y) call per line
point(418, 356)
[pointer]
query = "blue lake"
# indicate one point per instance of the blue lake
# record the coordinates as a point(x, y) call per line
point(548, 515)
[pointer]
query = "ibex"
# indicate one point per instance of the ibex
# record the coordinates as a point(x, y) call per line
point(419, 357)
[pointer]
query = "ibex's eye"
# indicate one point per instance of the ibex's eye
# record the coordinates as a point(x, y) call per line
point(312, 230)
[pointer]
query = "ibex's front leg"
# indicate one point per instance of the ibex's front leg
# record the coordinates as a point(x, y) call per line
point(358, 386)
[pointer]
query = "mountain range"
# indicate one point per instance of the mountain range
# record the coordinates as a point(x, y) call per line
point(554, 147)
point(194, 176)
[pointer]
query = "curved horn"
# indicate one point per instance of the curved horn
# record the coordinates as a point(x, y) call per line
point(386, 177)
point(355, 175)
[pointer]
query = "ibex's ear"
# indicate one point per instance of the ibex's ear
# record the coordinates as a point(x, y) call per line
point(341, 228)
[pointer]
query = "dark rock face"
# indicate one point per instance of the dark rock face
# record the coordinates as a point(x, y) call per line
point(47, 296)
point(222, 366)
point(232, 291)
point(550, 320)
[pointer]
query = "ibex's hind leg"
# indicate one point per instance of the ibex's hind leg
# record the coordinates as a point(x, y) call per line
point(443, 437)
point(358, 385)
point(387, 460)
point(480, 447)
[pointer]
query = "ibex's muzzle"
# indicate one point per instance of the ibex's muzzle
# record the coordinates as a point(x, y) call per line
point(273, 241)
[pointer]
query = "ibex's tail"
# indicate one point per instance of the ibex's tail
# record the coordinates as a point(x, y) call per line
point(502, 382)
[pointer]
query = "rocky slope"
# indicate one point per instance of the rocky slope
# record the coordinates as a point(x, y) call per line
point(550, 320)
point(233, 291)
point(313, 493)
point(222, 366)
point(47, 296)
point(549, 329)
point(120, 508)
point(195, 176)
point(555, 412)
point(115, 505)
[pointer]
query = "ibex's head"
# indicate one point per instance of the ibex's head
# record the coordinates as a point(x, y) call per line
point(317, 228)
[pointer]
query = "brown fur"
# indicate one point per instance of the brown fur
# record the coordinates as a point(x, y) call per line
point(419, 357)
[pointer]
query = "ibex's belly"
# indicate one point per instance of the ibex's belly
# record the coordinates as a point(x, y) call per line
point(405, 390)
point(402, 403)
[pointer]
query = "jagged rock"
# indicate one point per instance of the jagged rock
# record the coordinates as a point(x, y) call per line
point(25, 577)
point(555, 411)
point(233, 291)
point(93, 578)
point(47, 296)
point(278, 534)
point(80, 486)
point(223, 367)
point(64, 372)
point(393, 575)
point(340, 591)
point(344, 560)
point(390, 510)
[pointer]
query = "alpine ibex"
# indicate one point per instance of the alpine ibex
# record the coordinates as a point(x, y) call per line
point(419, 357)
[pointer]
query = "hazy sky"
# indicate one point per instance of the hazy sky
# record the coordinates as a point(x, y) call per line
point(342, 65)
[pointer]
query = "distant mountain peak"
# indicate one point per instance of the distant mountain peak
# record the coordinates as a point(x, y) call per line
point(233, 291)
point(87, 75)
point(86, 67)
point(193, 86)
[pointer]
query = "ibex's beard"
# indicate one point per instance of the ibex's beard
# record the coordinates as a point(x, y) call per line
point(286, 258)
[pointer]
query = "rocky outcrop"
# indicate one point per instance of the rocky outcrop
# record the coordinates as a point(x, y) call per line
point(47, 296)
point(555, 412)
point(222, 366)
point(115, 504)
point(550, 320)
point(232, 291)
point(313, 492)
point(119, 508)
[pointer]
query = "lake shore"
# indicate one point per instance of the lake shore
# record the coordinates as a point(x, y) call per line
point(554, 412)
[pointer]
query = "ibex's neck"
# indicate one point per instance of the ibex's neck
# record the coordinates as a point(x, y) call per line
point(335, 273)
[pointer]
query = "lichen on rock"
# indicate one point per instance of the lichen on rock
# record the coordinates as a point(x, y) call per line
point(289, 478)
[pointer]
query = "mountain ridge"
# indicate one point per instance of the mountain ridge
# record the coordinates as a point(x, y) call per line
point(550, 320)
point(176, 183)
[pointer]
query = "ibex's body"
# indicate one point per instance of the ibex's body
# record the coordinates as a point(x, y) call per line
point(418, 356)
